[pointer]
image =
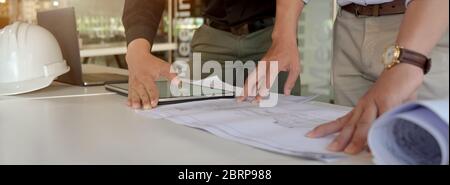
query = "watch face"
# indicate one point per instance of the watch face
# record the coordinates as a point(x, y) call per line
point(389, 55)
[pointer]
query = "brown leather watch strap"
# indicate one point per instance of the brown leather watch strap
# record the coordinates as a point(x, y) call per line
point(416, 59)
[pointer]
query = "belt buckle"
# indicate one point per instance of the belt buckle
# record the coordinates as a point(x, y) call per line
point(240, 30)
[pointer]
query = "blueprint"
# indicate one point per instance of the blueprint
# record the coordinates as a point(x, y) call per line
point(279, 129)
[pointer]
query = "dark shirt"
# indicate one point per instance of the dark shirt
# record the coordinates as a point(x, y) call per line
point(141, 18)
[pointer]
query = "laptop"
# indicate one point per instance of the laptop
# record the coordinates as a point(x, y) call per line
point(188, 93)
point(62, 24)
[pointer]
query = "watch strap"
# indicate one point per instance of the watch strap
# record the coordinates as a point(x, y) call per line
point(416, 59)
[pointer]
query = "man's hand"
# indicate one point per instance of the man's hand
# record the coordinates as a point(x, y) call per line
point(145, 69)
point(285, 55)
point(420, 31)
point(394, 87)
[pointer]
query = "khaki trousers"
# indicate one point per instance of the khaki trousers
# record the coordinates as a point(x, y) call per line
point(359, 44)
point(221, 46)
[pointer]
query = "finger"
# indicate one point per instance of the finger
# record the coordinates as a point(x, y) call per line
point(143, 96)
point(135, 100)
point(291, 81)
point(262, 74)
point(294, 74)
point(129, 104)
point(359, 140)
point(154, 93)
point(249, 86)
point(262, 94)
point(330, 128)
point(263, 82)
point(270, 78)
point(272, 70)
point(344, 138)
point(167, 71)
point(130, 99)
point(176, 82)
point(242, 97)
point(257, 99)
point(262, 90)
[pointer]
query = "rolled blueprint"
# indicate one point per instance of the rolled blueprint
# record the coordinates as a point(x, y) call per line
point(413, 134)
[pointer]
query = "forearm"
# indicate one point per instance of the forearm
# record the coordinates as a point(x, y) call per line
point(139, 55)
point(288, 12)
point(141, 19)
point(139, 46)
point(424, 24)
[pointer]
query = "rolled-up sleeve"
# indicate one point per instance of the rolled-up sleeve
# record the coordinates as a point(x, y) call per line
point(141, 18)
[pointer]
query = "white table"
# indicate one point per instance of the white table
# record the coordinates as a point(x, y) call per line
point(64, 124)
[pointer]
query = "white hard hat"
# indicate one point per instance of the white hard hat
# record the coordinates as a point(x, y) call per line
point(30, 59)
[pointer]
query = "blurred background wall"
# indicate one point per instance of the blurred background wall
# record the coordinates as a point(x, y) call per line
point(100, 26)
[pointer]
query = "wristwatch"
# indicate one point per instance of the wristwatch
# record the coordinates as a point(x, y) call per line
point(395, 55)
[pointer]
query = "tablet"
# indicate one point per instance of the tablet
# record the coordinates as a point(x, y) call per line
point(166, 96)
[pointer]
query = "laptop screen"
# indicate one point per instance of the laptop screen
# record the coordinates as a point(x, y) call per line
point(62, 24)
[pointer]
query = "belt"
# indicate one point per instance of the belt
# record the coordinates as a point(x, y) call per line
point(242, 29)
point(391, 8)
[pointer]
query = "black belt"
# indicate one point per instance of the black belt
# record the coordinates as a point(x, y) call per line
point(242, 29)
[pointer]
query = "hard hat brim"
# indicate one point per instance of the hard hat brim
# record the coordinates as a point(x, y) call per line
point(16, 88)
